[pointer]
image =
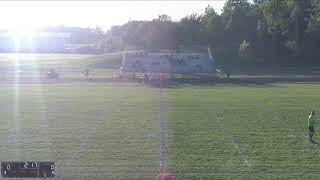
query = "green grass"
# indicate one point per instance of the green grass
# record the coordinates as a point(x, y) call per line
point(34, 66)
point(6, 58)
point(101, 130)
point(61, 62)
point(267, 123)
point(98, 131)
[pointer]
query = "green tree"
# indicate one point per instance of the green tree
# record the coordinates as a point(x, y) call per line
point(300, 13)
point(312, 38)
point(190, 30)
point(214, 32)
point(240, 24)
point(314, 20)
point(276, 14)
point(164, 17)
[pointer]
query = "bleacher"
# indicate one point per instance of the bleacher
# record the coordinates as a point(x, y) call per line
point(166, 62)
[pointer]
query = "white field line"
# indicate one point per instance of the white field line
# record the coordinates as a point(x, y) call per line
point(230, 137)
point(86, 138)
point(273, 116)
point(295, 134)
point(161, 122)
point(232, 141)
point(291, 132)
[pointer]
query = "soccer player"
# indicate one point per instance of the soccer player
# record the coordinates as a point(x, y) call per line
point(311, 122)
point(228, 75)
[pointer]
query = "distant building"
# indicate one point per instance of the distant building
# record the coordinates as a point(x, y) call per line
point(167, 62)
point(37, 42)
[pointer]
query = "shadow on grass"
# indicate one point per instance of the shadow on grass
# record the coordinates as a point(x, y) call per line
point(257, 82)
point(181, 83)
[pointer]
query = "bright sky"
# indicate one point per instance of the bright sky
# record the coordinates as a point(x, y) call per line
point(33, 14)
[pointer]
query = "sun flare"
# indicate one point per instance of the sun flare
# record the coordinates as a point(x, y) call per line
point(22, 32)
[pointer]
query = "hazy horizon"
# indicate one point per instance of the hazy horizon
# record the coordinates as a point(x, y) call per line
point(28, 15)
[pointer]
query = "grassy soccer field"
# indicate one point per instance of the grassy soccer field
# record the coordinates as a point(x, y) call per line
point(243, 132)
point(34, 66)
point(66, 60)
point(89, 130)
point(111, 130)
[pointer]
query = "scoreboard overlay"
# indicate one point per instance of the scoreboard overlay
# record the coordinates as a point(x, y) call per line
point(27, 169)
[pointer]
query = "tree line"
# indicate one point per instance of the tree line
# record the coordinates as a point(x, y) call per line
point(256, 31)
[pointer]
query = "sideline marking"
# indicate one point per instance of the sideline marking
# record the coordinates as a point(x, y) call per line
point(243, 157)
point(213, 113)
